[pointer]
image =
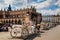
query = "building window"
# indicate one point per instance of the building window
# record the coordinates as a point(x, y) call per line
point(1, 16)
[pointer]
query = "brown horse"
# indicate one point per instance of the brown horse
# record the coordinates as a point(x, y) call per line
point(36, 18)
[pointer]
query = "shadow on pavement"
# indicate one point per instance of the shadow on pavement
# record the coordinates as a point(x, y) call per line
point(33, 36)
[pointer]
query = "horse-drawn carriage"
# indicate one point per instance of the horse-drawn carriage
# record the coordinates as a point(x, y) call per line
point(29, 27)
point(22, 31)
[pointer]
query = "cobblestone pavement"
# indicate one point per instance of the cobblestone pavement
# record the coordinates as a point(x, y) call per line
point(6, 36)
point(52, 34)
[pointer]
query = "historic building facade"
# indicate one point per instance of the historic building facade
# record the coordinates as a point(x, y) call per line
point(18, 16)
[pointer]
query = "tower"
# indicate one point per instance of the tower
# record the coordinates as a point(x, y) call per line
point(9, 8)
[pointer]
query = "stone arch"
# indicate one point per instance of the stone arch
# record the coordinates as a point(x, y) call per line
point(6, 21)
point(19, 22)
point(15, 21)
point(12, 21)
point(9, 21)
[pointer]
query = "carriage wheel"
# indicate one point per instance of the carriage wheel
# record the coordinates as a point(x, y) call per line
point(24, 33)
point(13, 33)
point(36, 31)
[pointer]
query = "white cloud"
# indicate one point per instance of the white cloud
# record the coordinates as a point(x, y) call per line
point(39, 0)
point(17, 3)
point(8, 2)
point(1, 6)
point(39, 6)
point(58, 3)
point(46, 12)
point(49, 12)
point(42, 5)
point(24, 3)
point(57, 11)
point(47, 3)
point(20, 3)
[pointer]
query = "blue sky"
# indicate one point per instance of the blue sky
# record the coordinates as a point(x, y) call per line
point(45, 7)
